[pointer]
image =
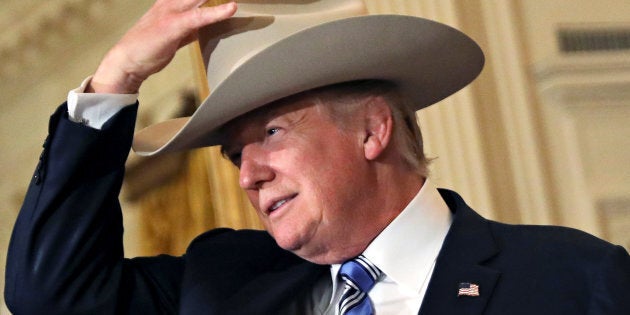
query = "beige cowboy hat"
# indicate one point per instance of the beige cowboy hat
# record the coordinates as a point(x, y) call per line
point(273, 49)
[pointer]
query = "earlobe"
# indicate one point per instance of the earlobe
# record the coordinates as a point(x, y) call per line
point(378, 128)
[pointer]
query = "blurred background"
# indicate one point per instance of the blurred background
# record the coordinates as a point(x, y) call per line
point(541, 137)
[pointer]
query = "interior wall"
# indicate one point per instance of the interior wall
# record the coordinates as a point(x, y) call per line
point(47, 50)
point(540, 20)
point(540, 137)
point(584, 105)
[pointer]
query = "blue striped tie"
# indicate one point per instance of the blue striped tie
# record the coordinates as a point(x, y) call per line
point(359, 275)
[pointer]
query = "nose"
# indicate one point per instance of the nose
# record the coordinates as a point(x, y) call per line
point(254, 169)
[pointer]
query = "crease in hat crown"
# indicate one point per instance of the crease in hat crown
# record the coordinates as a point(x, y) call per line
point(273, 49)
point(256, 26)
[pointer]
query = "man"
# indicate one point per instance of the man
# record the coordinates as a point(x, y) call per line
point(318, 114)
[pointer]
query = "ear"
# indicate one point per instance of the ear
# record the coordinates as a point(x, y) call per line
point(378, 127)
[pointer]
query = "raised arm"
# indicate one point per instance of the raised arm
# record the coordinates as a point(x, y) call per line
point(152, 43)
point(66, 255)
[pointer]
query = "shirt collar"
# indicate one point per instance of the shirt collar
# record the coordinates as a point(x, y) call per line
point(408, 247)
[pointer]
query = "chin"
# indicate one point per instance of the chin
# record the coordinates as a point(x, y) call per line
point(304, 251)
point(286, 242)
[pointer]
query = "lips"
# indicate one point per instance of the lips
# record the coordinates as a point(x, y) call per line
point(275, 205)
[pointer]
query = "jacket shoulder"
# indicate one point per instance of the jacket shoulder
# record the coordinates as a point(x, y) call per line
point(551, 240)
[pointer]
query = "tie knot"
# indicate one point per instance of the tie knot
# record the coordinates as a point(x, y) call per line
point(361, 272)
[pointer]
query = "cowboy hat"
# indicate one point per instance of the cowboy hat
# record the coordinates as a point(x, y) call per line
point(275, 49)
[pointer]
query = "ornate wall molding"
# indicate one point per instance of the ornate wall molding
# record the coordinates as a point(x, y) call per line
point(578, 80)
point(36, 32)
point(576, 90)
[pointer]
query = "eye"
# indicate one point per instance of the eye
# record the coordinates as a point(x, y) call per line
point(272, 131)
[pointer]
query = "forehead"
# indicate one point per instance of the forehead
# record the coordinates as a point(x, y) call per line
point(340, 93)
point(266, 113)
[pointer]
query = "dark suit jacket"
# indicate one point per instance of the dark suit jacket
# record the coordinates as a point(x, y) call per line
point(66, 254)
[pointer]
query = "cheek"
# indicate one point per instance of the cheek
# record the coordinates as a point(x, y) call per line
point(253, 198)
point(295, 230)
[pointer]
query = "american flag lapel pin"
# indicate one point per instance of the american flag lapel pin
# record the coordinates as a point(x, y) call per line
point(467, 289)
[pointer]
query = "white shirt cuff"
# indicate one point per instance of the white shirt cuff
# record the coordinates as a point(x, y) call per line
point(94, 109)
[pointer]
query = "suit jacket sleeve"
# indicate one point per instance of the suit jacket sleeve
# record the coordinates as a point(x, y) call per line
point(66, 254)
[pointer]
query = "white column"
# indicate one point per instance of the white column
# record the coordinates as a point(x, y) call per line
point(450, 130)
point(517, 109)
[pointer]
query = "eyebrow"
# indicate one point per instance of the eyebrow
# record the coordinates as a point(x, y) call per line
point(248, 118)
point(265, 113)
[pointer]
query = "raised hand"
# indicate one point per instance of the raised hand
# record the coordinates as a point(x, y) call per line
point(152, 43)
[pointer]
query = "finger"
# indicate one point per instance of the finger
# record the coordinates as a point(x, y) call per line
point(199, 3)
point(199, 17)
point(181, 5)
point(207, 15)
point(211, 3)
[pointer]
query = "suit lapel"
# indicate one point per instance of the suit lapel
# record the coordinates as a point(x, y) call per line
point(468, 244)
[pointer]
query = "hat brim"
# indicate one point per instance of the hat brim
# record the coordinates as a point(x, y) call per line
point(428, 61)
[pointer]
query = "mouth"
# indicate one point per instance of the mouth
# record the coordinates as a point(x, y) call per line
point(278, 204)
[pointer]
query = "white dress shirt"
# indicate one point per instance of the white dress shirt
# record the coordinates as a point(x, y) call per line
point(94, 109)
point(406, 252)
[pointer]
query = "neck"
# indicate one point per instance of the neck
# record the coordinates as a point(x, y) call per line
point(382, 205)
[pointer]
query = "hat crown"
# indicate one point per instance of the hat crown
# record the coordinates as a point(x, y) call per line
point(260, 24)
point(280, 48)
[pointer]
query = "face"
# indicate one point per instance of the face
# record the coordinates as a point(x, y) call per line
point(307, 177)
